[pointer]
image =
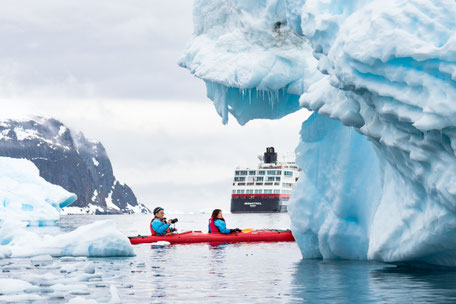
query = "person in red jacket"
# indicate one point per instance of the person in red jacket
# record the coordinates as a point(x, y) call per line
point(217, 223)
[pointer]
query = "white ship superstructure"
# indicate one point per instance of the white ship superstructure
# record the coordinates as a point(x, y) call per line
point(266, 188)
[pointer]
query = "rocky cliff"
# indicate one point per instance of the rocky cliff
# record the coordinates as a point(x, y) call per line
point(66, 158)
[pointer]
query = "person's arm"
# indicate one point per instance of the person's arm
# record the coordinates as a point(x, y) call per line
point(222, 227)
point(159, 227)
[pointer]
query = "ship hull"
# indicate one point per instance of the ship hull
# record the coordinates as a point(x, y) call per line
point(258, 204)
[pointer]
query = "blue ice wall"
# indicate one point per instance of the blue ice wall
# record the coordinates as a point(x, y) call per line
point(340, 174)
point(379, 158)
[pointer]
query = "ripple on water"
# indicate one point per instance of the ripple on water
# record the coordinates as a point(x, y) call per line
point(235, 273)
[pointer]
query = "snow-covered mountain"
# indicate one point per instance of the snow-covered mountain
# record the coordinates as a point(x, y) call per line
point(379, 153)
point(68, 159)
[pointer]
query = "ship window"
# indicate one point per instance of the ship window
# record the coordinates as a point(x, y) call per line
point(249, 184)
point(242, 172)
point(234, 191)
point(276, 184)
point(238, 192)
point(277, 191)
point(268, 191)
point(278, 172)
point(271, 172)
point(249, 191)
point(260, 178)
point(242, 191)
point(252, 172)
point(239, 179)
point(277, 178)
point(250, 179)
point(288, 173)
point(270, 178)
point(268, 184)
point(236, 172)
point(259, 184)
point(261, 172)
point(241, 184)
point(258, 191)
point(287, 185)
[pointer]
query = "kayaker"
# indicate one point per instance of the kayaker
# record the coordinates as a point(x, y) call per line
point(159, 225)
point(217, 223)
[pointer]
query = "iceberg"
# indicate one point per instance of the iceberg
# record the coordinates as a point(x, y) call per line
point(378, 153)
point(27, 199)
point(99, 239)
point(251, 61)
point(25, 196)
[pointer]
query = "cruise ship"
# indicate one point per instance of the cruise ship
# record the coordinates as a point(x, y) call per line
point(266, 188)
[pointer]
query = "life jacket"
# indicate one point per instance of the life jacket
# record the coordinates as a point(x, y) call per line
point(214, 229)
point(152, 231)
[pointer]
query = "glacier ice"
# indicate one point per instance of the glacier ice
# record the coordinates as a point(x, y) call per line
point(26, 196)
point(27, 199)
point(378, 154)
point(99, 239)
point(263, 71)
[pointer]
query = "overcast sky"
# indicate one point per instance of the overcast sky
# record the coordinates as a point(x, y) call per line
point(108, 68)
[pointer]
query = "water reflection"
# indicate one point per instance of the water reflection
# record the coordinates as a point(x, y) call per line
point(217, 271)
point(399, 284)
point(158, 271)
point(317, 281)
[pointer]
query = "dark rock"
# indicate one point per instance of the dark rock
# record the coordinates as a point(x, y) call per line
point(68, 159)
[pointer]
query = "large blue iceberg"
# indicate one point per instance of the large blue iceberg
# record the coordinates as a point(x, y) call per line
point(378, 153)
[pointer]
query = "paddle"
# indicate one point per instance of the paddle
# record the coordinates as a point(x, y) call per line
point(246, 230)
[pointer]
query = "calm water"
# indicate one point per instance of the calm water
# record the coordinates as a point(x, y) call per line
point(234, 273)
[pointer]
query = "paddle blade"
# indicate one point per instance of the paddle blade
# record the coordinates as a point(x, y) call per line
point(247, 230)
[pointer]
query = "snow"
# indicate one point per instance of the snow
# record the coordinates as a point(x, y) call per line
point(95, 162)
point(90, 209)
point(110, 204)
point(22, 134)
point(378, 155)
point(62, 130)
point(94, 196)
point(4, 135)
point(24, 195)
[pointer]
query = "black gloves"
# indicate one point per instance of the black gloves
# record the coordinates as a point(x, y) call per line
point(235, 230)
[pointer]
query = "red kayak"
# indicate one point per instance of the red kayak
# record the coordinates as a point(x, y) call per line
point(200, 237)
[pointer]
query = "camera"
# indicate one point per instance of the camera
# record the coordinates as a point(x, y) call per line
point(173, 221)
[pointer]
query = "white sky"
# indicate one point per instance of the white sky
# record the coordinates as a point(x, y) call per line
point(108, 68)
